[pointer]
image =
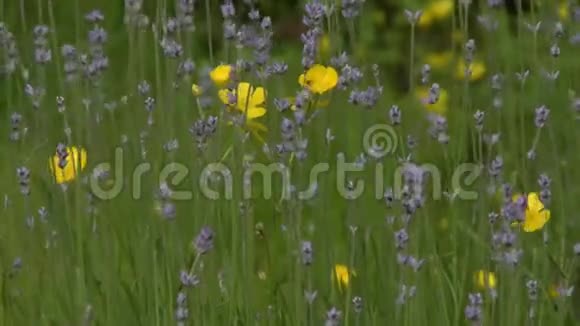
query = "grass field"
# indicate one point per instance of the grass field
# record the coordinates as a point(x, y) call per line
point(192, 164)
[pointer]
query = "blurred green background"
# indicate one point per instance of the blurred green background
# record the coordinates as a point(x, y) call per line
point(118, 262)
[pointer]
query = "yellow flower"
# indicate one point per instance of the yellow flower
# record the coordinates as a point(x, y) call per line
point(536, 214)
point(249, 99)
point(485, 280)
point(441, 9)
point(425, 20)
point(342, 275)
point(439, 60)
point(563, 11)
point(477, 70)
point(195, 90)
point(319, 79)
point(221, 75)
point(437, 10)
point(74, 163)
point(440, 107)
point(556, 291)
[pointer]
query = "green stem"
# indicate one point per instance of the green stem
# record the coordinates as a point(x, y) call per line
point(412, 59)
point(209, 31)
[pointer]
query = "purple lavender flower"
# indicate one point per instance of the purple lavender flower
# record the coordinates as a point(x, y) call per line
point(204, 240)
point(307, 253)
point(473, 310)
point(395, 115)
point(401, 239)
point(542, 114)
point(357, 303)
point(228, 9)
point(351, 8)
point(314, 12)
point(188, 280)
point(333, 317)
point(23, 174)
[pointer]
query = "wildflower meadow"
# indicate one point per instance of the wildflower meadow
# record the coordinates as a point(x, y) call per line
point(312, 162)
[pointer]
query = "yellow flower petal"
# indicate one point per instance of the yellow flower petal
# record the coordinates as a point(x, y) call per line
point(319, 79)
point(243, 92)
point(301, 80)
point(436, 11)
point(439, 60)
point(330, 79)
point(425, 20)
point(224, 95)
point(341, 275)
point(536, 215)
point(75, 163)
point(485, 280)
point(195, 90)
point(220, 75)
point(440, 108)
point(477, 70)
point(255, 112)
point(249, 96)
point(258, 97)
point(441, 9)
point(564, 11)
point(250, 101)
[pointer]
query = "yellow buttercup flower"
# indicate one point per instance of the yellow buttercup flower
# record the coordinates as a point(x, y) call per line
point(342, 275)
point(220, 75)
point(439, 60)
point(425, 20)
point(437, 10)
point(477, 70)
point(73, 164)
point(485, 280)
point(319, 79)
point(563, 10)
point(249, 99)
point(536, 215)
point(441, 9)
point(440, 107)
point(195, 90)
point(557, 291)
